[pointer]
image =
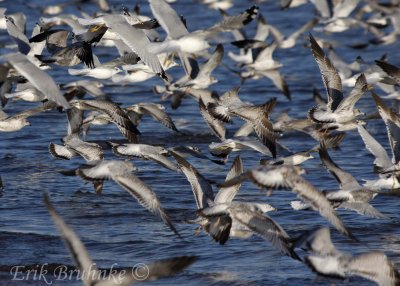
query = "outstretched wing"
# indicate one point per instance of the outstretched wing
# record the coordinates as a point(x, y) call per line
point(330, 76)
point(75, 246)
point(144, 195)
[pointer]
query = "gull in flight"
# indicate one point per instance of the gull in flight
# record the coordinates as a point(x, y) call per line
point(391, 70)
point(114, 112)
point(294, 159)
point(62, 53)
point(383, 164)
point(222, 218)
point(238, 143)
point(326, 260)
point(175, 29)
point(147, 152)
point(73, 145)
point(351, 195)
point(99, 72)
point(201, 187)
point(88, 86)
point(38, 78)
point(203, 79)
point(121, 173)
point(17, 35)
point(180, 40)
point(339, 112)
point(245, 56)
point(133, 37)
point(230, 104)
point(250, 216)
point(290, 41)
point(138, 71)
point(185, 151)
point(264, 65)
point(290, 177)
point(217, 126)
point(11, 123)
point(26, 92)
point(94, 276)
point(156, 111)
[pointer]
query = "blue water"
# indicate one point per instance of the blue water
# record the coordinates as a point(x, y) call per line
point(116, 229)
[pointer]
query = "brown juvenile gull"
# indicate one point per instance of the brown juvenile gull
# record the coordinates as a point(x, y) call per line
point(201, 188)
point(117, 115)
point(73, 145)
point(224, 218)
point(392, 70)
point(157, 111)
point(351, 194)
point(221, 226)
point(290, 177)
point(216, 125)
point(62, 53)
point(94, 276)
point(339, 111)
point(252, 218)
point(230, 104)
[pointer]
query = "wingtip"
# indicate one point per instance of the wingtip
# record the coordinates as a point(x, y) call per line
point(311, 38)
point(252, 14)
point(378, 101)
point(315, 47)
point(46, 200)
